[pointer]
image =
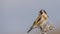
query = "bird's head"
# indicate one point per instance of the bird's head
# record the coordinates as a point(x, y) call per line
point(43, 12)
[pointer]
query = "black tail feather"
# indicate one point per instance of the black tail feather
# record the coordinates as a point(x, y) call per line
point(29, 30)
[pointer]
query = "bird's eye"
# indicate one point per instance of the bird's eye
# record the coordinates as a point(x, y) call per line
point(41, 12)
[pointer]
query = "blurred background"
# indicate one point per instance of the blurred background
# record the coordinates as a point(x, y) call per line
point(17, 16)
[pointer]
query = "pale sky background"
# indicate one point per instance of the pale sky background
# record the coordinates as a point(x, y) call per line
point(17, 16)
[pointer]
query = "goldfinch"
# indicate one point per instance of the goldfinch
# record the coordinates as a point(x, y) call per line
point(40, 20)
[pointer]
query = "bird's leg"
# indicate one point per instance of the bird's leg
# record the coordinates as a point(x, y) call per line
point(44, 33)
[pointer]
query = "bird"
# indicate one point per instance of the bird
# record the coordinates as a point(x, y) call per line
point(40, 20)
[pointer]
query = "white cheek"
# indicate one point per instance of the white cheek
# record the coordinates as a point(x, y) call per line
point(44, 14)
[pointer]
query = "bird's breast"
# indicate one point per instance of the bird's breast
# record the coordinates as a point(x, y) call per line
point(43, 21)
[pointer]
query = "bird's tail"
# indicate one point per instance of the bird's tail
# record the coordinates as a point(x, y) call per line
point(29, 30)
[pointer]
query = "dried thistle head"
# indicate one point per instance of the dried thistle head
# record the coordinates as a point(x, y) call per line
point(47, 28)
